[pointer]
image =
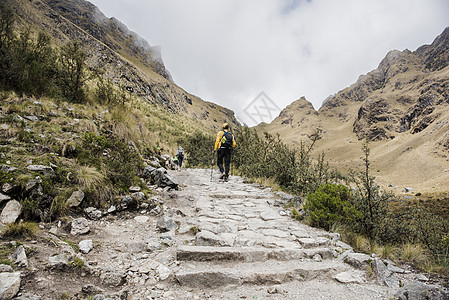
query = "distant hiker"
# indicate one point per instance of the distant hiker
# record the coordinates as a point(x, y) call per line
point(223, 145)
point(180, 155)
point(175, 160)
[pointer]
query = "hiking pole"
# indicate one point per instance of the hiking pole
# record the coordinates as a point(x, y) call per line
point(232, 158)
point(212, 167)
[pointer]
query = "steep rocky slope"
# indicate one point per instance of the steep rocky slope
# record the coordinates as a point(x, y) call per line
point(124, 56)
point(402, 107)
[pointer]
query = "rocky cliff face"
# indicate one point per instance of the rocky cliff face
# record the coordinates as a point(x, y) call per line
point(403, 94)
point(125, 57)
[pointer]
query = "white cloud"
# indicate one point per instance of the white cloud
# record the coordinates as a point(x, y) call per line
point(228, 51)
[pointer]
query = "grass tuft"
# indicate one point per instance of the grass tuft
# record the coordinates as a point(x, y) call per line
point(21, 230)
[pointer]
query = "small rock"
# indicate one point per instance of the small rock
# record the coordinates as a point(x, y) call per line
point(317, 257)
point(134, 189)
point(41, 169)
point(19, 257)
point(75, 199)
point(167, 238)
point(112, 209)
point(166, 224)
point(343, 245)
point(350, 277)
point(85, 246)
point(154, 245)
point(422, 277)
point(5, 268)
point(4, 197)
point(113, 278)
point(91, 289)
point(93, 213)
point(80, 226)
point(54, 230)
point(169, 295)
point(358, 260)
point(141, 219)
point(207, 238)
point(156, 211)
point(10, 212)
point(59, 261)
point(31, 118)
point(163, 272)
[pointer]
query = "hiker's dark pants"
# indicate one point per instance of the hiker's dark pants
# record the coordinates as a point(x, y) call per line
point(180, 158)
point(224, 154)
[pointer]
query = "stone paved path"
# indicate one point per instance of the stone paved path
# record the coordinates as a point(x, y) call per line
point(248, 248)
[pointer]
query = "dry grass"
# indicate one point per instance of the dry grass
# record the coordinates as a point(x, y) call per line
point(415, 254)
point(90, 178)
point(387, 251)
point(21, 230)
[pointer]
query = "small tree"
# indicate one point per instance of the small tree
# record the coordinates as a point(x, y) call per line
point(368, 199)
point(73, 71)
point(7, 37)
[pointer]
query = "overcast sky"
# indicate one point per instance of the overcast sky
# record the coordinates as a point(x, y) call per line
point(229, 51)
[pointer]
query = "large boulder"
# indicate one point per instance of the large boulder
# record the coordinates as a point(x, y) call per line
point(11, 212)
point(383, 274)
point(421, 291)
point(358, 260)
point(148, 172)
point(163, 179)
point(9, 285)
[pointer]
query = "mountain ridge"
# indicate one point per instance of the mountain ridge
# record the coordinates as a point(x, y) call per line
point(402, 104)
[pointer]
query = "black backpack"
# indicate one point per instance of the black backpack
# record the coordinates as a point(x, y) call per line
point(226, 140)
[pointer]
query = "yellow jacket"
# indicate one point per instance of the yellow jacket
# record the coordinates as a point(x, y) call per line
point(219, 137)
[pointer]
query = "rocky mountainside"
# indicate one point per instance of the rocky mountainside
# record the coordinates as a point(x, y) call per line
point(125, 57)
point(402, 107)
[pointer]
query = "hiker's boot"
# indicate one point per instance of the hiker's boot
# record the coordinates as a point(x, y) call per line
point(226, 177)
point(222, 176)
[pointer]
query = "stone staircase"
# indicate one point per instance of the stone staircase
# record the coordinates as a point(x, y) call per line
point(245, 243)
point(212, 267)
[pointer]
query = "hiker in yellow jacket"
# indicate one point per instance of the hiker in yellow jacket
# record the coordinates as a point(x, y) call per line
point(223, 145)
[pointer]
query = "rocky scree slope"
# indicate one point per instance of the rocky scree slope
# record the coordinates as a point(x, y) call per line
point(206, 240)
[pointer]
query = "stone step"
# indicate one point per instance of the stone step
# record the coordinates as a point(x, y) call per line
point(206, 275)
point(247, 254)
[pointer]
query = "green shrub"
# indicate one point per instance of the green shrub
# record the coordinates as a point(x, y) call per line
point(119, 161)
point(199, 148)
point(331, 204)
